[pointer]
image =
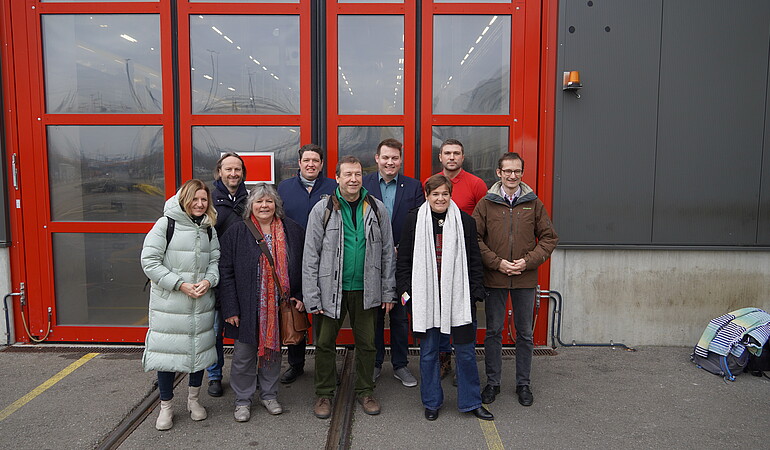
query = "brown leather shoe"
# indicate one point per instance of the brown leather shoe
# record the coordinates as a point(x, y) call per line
point(370, 405)
point(445, 358)
point(322, 408)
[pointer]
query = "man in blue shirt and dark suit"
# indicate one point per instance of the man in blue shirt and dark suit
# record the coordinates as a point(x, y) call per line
point(400, 194)
point(299, 195)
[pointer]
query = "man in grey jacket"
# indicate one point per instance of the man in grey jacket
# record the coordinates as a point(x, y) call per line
point(349, 268)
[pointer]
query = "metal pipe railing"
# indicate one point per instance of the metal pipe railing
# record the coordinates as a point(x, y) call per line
point(556, 324)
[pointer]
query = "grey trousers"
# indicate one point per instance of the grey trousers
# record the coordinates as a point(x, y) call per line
point(523, 302)
point(244, 372)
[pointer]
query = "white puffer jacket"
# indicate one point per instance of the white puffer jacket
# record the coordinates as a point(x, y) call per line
point(180, 337)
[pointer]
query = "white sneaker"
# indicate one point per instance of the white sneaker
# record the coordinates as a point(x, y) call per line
point(242, 413)
point(272, 406)
point(405, 376)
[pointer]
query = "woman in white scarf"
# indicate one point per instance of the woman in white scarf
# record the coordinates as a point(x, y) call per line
point(439, 270)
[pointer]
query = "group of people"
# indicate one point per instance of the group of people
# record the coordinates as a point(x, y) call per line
point(360, 247)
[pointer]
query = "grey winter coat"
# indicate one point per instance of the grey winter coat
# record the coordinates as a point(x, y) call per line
point(323, 256)
point(180, 337)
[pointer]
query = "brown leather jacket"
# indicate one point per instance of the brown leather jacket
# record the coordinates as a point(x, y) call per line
point(523, 230)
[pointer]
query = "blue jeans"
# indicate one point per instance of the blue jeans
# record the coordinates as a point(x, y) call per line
point(468, 385)
point(166, 383)
point(399, 336)
point(215, 370)
point(445, 346)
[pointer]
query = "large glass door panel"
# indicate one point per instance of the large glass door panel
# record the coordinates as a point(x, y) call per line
point(98, 279)
point(483, 146)
point(472, 64)
point(102, 63)
point(281, 142)
point(359, 142)
point(246, 64)
point(371, 64)
point(105, 173)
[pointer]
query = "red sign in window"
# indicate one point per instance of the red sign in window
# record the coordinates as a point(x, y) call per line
point(259, 167)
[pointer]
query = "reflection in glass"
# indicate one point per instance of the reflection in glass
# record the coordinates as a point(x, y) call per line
point(370, 76)
point(105, 173)
point(210, 142)
point(471, 1)
point(471, 64)
point(98, 279)
point(95, 1)
point(244, 1)
point(483, 147)
point(108, 63)
point(244, 64)
point(362, 142)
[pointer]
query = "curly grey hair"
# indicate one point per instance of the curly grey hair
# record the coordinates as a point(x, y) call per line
point(260, 190)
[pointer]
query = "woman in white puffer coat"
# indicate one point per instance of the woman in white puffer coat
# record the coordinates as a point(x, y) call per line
point(183, 270)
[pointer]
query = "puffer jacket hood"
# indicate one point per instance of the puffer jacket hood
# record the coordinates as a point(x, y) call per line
point(180, 337)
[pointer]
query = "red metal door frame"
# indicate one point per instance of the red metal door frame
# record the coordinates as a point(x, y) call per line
point(32, 256)
point(25, 121)
point(523, 119)
point(407, 120)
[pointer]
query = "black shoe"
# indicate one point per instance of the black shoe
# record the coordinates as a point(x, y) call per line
point(483, 414)
point(290, 375)
point(489, 393)
point(215, 388)
point(431, 414)
point(525, 395)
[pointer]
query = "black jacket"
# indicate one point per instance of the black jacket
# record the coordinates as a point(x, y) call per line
point(240, 278)
point(465, 333)
point(229, 211)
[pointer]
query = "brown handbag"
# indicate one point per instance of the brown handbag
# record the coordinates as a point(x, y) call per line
point(293, 323)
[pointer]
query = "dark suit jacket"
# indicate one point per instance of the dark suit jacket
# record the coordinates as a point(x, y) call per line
point(409, 195)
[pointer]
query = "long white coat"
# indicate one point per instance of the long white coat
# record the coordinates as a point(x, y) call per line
point(180, 337)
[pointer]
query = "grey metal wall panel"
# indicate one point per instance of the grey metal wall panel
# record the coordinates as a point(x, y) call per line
point(763, 228)
point(605, 141)
point(713, 84)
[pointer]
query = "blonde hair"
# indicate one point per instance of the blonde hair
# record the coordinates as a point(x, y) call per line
point(187, 194)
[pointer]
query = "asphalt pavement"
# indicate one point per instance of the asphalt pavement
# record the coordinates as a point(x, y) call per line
point(73, 398)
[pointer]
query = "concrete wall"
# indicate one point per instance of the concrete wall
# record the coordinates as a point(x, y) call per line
point(5, 287)
point(654, 297)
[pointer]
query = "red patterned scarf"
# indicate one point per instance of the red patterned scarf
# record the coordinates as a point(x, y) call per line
point(269, 330)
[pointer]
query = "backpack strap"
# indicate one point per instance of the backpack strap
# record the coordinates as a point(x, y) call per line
point(328, 210)
point(169, 230)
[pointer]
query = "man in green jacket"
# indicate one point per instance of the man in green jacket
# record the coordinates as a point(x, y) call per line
point(516, 236)
point(349, 268)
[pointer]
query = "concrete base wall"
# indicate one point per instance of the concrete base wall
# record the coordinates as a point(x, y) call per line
point(654, 297)
point(5, 288)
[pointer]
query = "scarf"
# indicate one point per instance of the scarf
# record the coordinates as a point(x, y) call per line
point(269, 330)
point(445, 303)
point(306, 183)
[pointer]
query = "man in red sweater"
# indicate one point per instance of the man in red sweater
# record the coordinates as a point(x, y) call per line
point(467, 190)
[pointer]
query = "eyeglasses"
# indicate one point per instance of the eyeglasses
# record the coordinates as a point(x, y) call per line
point(508, 172)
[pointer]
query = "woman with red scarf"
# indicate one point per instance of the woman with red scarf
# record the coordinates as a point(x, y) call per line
point(250, 293)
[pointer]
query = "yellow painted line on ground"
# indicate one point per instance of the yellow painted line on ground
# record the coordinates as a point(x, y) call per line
point(490, 434)
point(47, 384)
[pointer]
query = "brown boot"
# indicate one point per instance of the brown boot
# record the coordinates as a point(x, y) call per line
point(322, 408)
point(370, 405)
point(445, 358)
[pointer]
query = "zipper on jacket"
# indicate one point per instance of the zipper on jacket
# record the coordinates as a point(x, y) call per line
point(510, 239)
